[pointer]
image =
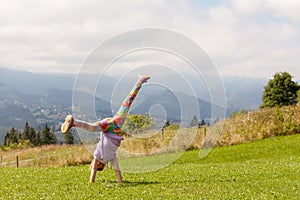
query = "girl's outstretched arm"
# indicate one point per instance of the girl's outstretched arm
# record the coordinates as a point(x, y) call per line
point(93, 169)
point(115, 165)
point(119, 176)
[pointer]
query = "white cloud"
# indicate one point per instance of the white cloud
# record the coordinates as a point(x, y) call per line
point(244, 41)
point(241, 37)
point(288, 9)
point(248, 7)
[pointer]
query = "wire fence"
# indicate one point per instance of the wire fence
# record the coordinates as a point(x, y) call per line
point(15, 163)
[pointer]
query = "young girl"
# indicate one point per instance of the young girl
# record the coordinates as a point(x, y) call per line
point(110, 133)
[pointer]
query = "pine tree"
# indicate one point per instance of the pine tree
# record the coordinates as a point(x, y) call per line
point(167, 123)
point(37, 141)
point(26, 135)
point(48, 136)
point(194, 122)
point(12, 137)
point(32, 135)
point(6, 139)
point(202, 123)
point(29, 133)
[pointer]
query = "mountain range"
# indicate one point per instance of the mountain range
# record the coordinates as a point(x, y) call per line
point(57, 90)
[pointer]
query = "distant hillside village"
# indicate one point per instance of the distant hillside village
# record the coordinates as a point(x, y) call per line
point(14, 111)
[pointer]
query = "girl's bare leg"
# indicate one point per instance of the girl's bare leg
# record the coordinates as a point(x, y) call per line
point(71, 122)
point(119, 118)
point(108, 124)
point(92, 127)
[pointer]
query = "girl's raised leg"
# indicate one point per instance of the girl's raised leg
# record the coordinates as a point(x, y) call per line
point(120, 116)
point(71, 122)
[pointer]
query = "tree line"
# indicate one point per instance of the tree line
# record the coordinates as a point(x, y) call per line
point(30, 136)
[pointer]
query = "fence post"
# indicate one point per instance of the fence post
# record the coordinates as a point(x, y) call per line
point(17, 161)
point(1, 160)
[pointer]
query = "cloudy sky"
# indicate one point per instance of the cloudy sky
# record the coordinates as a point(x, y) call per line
point(245, 38)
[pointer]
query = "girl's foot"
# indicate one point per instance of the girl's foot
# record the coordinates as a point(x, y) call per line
point(68, 124)
point(143, 78)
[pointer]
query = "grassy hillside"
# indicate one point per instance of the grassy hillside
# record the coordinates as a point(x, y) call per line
point(46, 156)
point(266, 169)
point(261, 124)
point(241, 128)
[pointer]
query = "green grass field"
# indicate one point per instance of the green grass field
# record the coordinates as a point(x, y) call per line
point(266, 169)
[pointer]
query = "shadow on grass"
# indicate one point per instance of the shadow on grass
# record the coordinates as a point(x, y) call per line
point(135, 183)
